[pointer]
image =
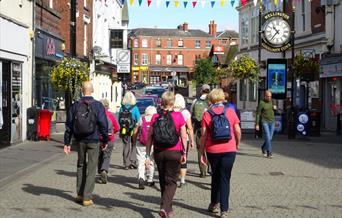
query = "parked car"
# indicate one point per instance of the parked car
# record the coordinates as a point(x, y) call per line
point(154, 90)
point(155, 98)
point(144, 102)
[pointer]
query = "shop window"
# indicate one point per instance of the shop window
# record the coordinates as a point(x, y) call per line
point(243, 89)
point(252, 91)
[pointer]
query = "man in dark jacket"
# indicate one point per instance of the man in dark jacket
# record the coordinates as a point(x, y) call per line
point(86, 142)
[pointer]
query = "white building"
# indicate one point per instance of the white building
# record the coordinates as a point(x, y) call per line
point(16, 33)
point(310, 40)
point(111, 63)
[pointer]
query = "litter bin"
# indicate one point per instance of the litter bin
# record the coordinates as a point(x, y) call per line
point(315, 123)
point(32, 123)
point(44, 124)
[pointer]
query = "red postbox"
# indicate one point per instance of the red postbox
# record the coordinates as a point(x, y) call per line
point(44, 124)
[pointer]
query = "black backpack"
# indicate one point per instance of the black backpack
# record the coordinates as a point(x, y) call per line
point(84, 123)
point(126, 119)
point(220, 126)
point(165, 134)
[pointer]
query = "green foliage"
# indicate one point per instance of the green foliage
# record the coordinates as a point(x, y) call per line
point(305, 68)
point(245, 67)
point(204, 72)
point(69, 75)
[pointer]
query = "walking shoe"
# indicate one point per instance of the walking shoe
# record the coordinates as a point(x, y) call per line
point(126, 168)
point(224, 214)
point(104, 177)
point(88, 203)
point(269, 155)
point(214, 208)
point(141, 184)
point(150, 184)
point(203, 175)
point(263, 151)
point(79, 199)
point(163, 213)
point(181, 184)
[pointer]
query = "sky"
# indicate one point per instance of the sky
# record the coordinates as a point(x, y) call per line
point(198, 18)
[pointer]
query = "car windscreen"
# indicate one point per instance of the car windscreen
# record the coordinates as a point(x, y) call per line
point(144, 102)
point(158, 92)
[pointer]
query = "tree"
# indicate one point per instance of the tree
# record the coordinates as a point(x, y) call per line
point(204, 72)
point(245, 67)
point(68, 76)
point(306, 69)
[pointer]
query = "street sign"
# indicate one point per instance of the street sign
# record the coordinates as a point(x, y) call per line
point(123, 68)
point(122, 57)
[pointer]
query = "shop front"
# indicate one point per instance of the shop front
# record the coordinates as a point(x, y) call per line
point(159, 74)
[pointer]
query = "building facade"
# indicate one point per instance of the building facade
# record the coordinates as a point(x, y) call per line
point(159, 54)
point(16, 33)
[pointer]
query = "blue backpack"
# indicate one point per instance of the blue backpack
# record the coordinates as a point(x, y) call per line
point(220, 126)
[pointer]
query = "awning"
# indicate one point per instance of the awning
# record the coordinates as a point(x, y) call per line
point(168, 69)
point(331, 66)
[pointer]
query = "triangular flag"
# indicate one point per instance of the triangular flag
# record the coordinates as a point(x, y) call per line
point(232, 2)
point(185, 4)
point(243, 2)
point(176, 3)
point(255, 2)
point(194, 4)
point(158, 3)
point(148, 3)
point(203, 3)
point(140, 1)
point(212, 3)
point(131, 2)
point(167, 3)
point(275, 2)
point(222, 3)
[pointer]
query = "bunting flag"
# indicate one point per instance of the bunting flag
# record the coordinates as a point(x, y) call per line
point(255, 2)
point(131, 2)
point(185, 3)
point(232, 2)
point(167, 3)
point(222, 3)
point(203, 3)
point(158, 3)
point(212, 3)
point(140, 1)
point(243, 2)
point(194, 4)
point(176, 3)
point(275, 2)
point(148, 3)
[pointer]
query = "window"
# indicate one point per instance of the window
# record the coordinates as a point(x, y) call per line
point(144, 60)
point(208, 44)
point(135, 43)
point(180, 59)
point(158, 58)
point(168, 59)
point(169, 43)
point(180, 43)
point(158, 43)
point(136, 59)
point(255, 26)
point(244, 29)
point(51, 3)
point(303, 16)
point(116, 39)
point(85, 41)
point(243, 89)
point(197, 44)
point(252, 91)
point(144, 43)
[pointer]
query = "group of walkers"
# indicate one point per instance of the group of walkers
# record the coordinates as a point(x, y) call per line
point(161, 136)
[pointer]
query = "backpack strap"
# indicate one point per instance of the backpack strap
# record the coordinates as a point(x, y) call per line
point(212, 113)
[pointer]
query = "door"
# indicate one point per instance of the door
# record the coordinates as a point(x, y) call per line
point(16, 103)
point(5, 127)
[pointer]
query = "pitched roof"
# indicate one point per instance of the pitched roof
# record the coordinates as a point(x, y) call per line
point(227, 34)
point(169, 32)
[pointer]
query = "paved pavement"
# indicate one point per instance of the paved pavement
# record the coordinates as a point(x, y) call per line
point(304, 179)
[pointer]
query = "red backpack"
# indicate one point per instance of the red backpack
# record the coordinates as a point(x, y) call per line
point(145, 127)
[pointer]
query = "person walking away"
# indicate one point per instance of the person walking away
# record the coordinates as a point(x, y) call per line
point(86, 122)
point(198, 107)
point(180, 107)
point(142, 133)
point(265, 112)
point(168, 136)
point(104, 157)
point(221, 136)
point(129, 116)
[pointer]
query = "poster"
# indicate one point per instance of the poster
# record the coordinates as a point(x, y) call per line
point(276, 77)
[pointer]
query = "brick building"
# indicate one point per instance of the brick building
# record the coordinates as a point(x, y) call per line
point(156, 53)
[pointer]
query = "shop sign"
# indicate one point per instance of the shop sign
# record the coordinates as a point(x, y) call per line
point(218, 49)
point(135, 68)
point(123, 68)
point(144, 68)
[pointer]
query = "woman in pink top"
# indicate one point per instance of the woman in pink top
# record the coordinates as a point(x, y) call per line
point(221, 154)
point(168, 157)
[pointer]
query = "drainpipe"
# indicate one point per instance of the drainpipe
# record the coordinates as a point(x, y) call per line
point(33, 89)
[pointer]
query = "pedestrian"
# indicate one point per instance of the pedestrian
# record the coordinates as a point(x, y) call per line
point(180, 107)
point(198, 107)
point(168, 136)
point(129, 116)
point(221, 136)
point(228, 103)
point(104, 157)
point(265, 114)
point(145, 173)
point(86, 122)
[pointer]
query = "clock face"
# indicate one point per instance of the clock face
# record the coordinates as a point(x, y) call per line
point(277, 31)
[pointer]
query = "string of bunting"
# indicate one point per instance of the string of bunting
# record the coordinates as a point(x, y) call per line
point(177, 3)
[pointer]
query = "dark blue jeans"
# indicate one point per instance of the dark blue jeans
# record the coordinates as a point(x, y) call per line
point(221, 165)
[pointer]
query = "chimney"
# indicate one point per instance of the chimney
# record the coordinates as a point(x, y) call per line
point(212, 28)
point(185, 27)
